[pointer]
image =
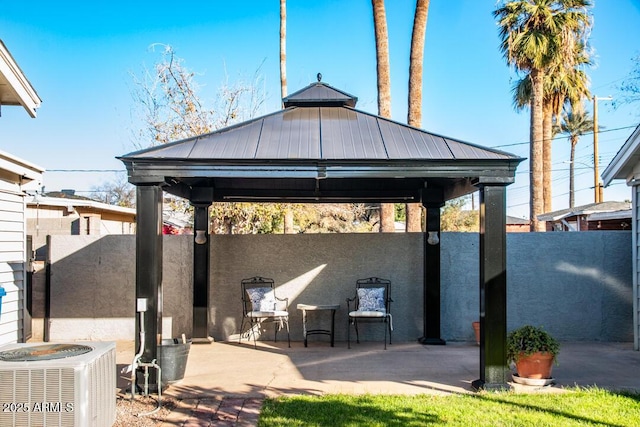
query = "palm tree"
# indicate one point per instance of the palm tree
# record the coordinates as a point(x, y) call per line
point(532, 34)
point(382, 58)
point(574, 124)
point(387, 210)
point(414, 111)
point(564, 83)
point(283, 48)
point(288, 211)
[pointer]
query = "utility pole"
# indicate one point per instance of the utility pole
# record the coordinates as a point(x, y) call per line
point(597, 186)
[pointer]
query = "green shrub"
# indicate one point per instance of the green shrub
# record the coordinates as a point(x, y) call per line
point(527, 340)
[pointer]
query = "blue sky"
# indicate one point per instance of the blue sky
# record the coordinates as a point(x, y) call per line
point(80, 56)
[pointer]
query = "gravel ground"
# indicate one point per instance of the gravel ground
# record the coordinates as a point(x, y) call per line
point(127, 411)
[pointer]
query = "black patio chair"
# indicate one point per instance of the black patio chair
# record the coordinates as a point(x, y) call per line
point(260, 304)
point(372, 303)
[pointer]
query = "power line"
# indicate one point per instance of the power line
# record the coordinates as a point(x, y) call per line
point(610, 83)
point(527, 202)
point(563, 194)
point(564, 136)
point(495, 146)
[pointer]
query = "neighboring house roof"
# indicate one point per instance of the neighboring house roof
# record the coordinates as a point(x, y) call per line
point(589, 209)
point(19, 171)
point(67, 202)
point(15, 89)
point(66, 194)
point(177, 219)
point(512, 220)
point(625, 161)
point(605, 216)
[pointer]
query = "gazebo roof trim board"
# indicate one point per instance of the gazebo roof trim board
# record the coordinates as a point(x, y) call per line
point(446, 170)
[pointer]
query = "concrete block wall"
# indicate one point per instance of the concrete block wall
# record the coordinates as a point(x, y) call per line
point(577, 285)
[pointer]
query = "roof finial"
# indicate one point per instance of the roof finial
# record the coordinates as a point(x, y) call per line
point(319, 76)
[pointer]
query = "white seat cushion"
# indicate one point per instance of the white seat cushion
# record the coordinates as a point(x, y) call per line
point(359, 313)
point(275, 313)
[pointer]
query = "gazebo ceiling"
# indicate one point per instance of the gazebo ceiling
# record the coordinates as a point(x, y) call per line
point(319, 149)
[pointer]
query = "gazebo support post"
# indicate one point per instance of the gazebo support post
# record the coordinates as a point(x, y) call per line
point(494, 371)
point(201, 273)
point(431, 287)
point(149, 271)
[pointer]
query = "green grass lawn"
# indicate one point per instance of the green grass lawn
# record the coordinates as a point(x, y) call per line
point(577, 407)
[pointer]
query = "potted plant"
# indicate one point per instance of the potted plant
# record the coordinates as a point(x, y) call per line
point(533, 350)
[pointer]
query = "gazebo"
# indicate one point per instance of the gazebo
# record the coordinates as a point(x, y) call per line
point(319, 148)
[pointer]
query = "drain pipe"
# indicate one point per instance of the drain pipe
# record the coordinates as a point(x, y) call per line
point(146, 367)
point(141, 307)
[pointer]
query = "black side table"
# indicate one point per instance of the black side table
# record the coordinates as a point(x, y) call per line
point(310, 307)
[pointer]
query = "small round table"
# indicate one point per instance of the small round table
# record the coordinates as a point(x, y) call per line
point(311, 307)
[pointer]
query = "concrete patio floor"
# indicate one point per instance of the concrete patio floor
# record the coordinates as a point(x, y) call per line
point(229, 369)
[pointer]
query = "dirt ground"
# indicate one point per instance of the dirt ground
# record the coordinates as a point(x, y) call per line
point(128, 412)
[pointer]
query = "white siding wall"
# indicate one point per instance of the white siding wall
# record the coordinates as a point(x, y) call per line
point(12, 261)
point(636, 266)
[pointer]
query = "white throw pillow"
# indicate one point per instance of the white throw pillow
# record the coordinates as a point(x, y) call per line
point(262, 299)
point(371, 299)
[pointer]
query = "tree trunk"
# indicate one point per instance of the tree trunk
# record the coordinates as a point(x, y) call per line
point(536, 139)
point(288, 220)
point(572, 158)
point(283, 48)
point(387, 217)
point(414, 112)
point(547, 129)
point(414, 217)
point(387, 210)
point(382, 58)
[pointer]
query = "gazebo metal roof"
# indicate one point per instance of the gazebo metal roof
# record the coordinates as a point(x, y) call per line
point(319, 148)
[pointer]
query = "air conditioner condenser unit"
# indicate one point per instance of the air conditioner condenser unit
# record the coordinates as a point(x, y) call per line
point(61, 385)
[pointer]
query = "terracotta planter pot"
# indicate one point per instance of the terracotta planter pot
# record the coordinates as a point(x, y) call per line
point(537, 365)
point(476, 329)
